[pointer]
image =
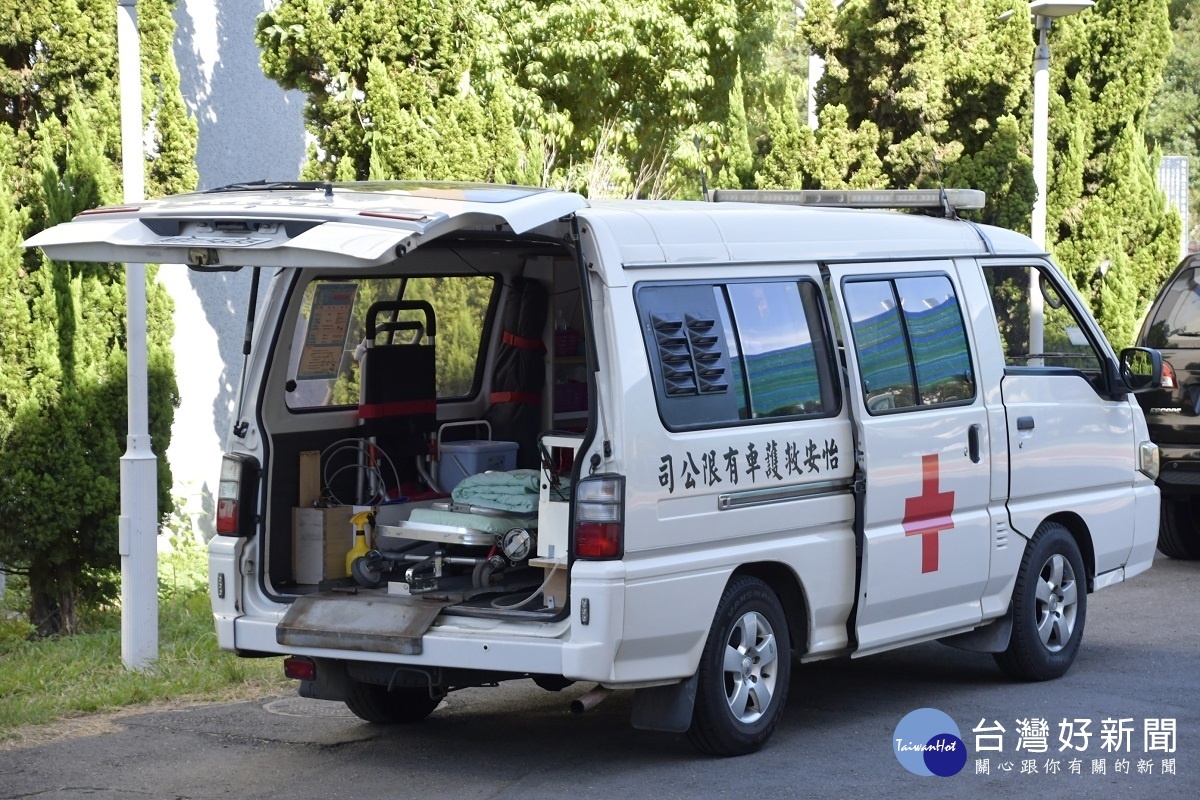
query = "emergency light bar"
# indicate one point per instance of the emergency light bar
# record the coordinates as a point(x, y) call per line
point(935, 199)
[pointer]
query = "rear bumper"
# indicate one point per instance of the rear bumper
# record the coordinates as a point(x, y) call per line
point(1180, 470)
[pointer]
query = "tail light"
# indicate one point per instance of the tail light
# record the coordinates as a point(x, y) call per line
point(600, 517)
point(237, 495)
point(299, 668)
point(1168, 378)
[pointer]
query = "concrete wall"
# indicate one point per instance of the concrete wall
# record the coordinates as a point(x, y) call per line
point(249, 129)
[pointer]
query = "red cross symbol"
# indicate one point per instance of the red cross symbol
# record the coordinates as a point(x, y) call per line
point(924, 516)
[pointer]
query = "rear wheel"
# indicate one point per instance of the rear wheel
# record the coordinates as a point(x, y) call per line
point(744, 672)
point(1179, 529)
point(1049, 607)
point(375, 703)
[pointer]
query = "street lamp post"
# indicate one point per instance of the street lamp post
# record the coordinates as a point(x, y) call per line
point(1044, 12)
point(138, 523)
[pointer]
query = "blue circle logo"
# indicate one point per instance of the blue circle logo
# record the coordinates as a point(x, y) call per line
point(927, 742)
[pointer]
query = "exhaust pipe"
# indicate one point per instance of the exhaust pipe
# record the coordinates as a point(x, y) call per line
point(590, 699)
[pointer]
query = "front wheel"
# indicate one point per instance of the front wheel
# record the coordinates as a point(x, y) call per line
point(404, 704)
point(744, 672)
point(1049, 608)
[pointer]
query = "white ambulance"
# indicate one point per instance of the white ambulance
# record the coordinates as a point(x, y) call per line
point(493, 432)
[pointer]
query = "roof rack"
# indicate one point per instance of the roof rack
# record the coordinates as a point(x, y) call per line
point(944, 200)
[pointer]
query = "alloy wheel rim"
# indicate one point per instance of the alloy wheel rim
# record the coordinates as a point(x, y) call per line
point(1057, 598)
point(749, 665)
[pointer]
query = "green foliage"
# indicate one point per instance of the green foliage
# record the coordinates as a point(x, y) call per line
point(940, 85)
point(1173, 125)
point(47, 679)
point(183, 564)
point(597, 96)
point(948, 87)
point(1108, 224)
point(607, 98)
point(62, 378)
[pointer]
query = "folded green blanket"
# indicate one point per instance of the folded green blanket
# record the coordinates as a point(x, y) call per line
point(497, 525)
point(515, 490)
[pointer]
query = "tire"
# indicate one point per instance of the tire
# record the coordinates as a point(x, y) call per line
point(404, 705)
point(1049, 608)
point(744, 672)
point(1178, 528)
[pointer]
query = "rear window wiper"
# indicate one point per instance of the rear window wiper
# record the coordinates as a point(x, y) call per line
point(268, 186)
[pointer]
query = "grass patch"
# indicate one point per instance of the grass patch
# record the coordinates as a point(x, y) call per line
point(71, 675)
point(68, 676)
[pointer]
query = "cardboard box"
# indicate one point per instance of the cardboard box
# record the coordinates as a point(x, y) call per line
point(555, 593)
point(310, 478)
point(321, 539)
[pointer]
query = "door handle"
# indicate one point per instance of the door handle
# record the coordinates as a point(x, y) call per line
point(1024, 423)
point(973, 441)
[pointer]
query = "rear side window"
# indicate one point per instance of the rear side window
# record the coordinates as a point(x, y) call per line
point(739, 351)
point(332, 324)
point(910, 342)
point(776, 343)
point(1176, 323)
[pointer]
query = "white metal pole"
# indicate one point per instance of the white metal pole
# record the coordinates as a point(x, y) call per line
point(816, 69)
point(1041, 117)
point(139, 467)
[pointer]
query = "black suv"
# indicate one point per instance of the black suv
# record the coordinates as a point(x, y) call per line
point(1173, 411)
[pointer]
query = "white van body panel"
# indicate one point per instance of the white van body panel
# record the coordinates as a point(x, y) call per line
point(353, 226)
point(674, 232)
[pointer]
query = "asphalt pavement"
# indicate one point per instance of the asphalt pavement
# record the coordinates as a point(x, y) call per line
point(1135, 683)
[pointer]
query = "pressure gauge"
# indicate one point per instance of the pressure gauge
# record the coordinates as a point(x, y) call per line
point(516, 544)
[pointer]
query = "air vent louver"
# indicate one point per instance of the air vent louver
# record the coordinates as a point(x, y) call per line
point(689, 352)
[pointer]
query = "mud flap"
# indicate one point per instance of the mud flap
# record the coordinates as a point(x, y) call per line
point(990, 638)
point(368, 624)
point(665, 708)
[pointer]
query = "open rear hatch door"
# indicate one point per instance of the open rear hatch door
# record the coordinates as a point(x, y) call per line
point(350, 226)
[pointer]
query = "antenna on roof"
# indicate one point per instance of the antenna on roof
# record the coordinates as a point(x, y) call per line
point(703, 177)
point(947, 209)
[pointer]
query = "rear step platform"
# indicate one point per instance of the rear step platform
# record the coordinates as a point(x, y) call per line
point(369, 623)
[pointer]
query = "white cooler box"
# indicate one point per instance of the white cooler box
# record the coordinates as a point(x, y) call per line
point(457, 460)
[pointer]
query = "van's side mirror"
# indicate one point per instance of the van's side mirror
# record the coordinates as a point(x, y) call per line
point(1141, 369)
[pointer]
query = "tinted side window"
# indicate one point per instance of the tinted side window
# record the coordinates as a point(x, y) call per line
point(776, 338)
point(910, 341)
point(721, 353)
point(1176, 324)
point(938, 339)
point(1064, 345)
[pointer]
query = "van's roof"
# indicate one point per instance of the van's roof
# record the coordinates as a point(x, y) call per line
point(651, 232)
point(297, 223)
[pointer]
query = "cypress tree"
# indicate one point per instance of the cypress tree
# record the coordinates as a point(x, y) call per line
point(63, 379)
point(943, 83)
point(532, 92)
point(949, 87)
point(1108, 224)
point(1174, 124)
